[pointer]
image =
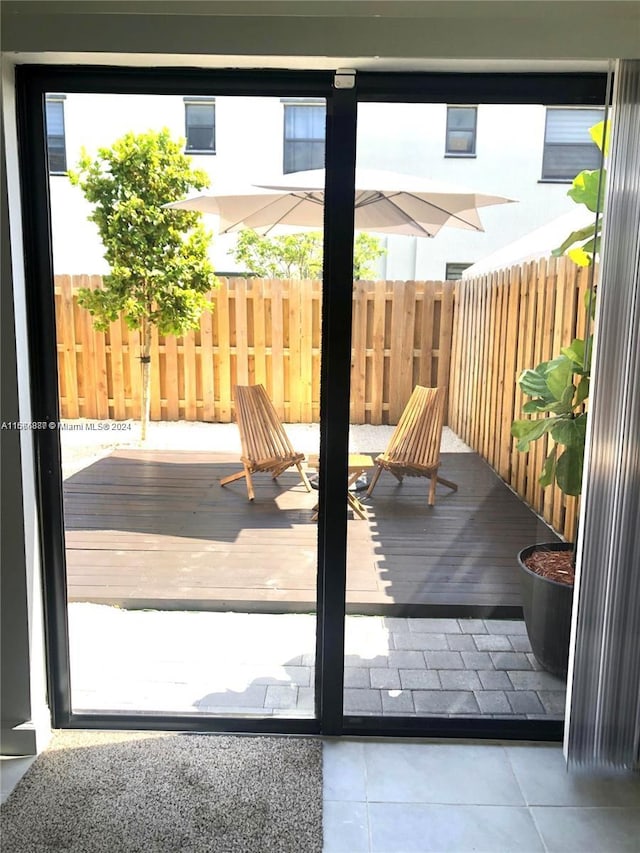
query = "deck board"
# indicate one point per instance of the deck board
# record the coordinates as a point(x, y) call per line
point(156, 529)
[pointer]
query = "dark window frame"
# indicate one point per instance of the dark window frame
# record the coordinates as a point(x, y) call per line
point(199, 102)
point(57, 152)
point(451, 151)
point(457, 265)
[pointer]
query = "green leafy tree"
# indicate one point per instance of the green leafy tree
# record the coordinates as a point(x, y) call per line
point(159, 269)
point(559, 388)
point(299, 256)
point(366, 250)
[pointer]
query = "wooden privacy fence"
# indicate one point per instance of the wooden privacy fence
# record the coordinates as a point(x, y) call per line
point(505, 322)
point(259, 331)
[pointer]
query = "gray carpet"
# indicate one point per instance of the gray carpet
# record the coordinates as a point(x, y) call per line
point(91, 792)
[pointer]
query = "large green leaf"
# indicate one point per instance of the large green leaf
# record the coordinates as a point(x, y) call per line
point(575, 352)
point(566, 404)
point(600, 133)
point(570, 431)
point(534, 382)
point(528, 431)
point(582, 391)
point(569, 470)
point(559, 375)
point(549, 470)
point(534, 407)
point(588, 189)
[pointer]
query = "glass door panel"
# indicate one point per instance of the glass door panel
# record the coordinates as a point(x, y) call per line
point(463, 296)
point(190, 591)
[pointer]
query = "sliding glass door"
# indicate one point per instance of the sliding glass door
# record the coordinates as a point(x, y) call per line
point(179, 328)
point(312, 591)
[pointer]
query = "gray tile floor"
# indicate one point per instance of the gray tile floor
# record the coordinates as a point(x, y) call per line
point(171, 661)
point(401, 797)
point(456, 797)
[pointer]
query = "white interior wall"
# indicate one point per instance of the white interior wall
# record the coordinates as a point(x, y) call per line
point(25, 721)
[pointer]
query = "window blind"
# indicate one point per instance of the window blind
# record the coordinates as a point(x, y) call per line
point(304, 131)
point(603, 701)
point(56, 147)
point(571, 126)
point(568, 147)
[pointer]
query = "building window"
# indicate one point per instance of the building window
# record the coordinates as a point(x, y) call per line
point(568, 147)
point(200, 126)
point(453, 271)
point(56, 147)
point(461, 131)
point(304, 131)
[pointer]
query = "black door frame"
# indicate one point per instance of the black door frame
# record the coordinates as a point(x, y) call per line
point(33, 82)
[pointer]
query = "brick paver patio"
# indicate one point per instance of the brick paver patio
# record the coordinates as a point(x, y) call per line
point(262, 664)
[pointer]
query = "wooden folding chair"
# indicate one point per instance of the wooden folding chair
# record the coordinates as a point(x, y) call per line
point(414, 447)
point(265, 444)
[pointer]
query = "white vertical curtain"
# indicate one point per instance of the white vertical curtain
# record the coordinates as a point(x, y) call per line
point(603, 702)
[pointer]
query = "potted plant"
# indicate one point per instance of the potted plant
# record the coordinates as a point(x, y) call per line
point(559, 390)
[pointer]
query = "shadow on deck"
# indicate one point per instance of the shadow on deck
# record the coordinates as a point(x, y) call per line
point(154, 529)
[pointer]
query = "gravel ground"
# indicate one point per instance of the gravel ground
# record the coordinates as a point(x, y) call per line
point(83, 441)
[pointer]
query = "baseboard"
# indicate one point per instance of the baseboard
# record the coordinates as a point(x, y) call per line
point(28, 738)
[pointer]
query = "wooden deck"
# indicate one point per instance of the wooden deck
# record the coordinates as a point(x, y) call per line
point(155, 529)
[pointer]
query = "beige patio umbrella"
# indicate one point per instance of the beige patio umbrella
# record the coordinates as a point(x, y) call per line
point(386, 202)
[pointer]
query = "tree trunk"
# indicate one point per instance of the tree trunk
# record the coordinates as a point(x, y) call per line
point(145, 358)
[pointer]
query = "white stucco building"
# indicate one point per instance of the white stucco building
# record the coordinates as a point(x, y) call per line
point(527, 153)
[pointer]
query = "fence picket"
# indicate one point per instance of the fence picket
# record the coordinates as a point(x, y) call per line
point(65, 314)
point(426, 334)
point(223, 363)
point(242, 333)
point(135, 370)
point(358, 352)
point(512, 310)
point(189, 368)
point(377, 357)
point(305, 344)
point(206, 367)
point(444, 342)
point(171, 377)
point(155, 413)
point(114, 354)
point(316, 297)
point(259, 331)
point(277, 346)
point(295, 408)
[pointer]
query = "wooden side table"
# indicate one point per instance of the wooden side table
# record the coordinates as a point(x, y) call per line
point(358, 464)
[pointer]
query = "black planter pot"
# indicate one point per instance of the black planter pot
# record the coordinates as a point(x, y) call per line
point(547, 612)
